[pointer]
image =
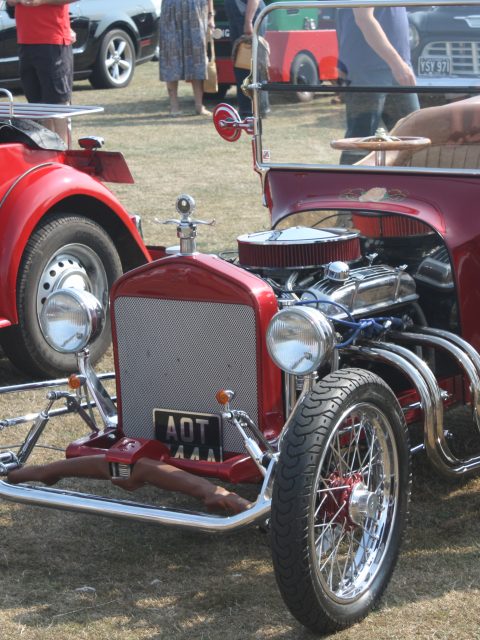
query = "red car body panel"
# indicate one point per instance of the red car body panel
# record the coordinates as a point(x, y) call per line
point(444, 205)
point(34, 181)
point(225, 71)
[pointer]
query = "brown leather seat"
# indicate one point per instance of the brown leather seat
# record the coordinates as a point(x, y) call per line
point(454, 130)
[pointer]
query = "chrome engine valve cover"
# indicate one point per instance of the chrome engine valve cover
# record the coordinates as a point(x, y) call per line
point(367, 290)
point(297, 247)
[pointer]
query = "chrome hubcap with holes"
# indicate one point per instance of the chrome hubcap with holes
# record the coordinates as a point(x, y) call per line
point(76, 267)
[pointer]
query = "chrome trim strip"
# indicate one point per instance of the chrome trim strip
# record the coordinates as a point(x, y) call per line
point(29, 386)
point(38, 111)
point(98, 505)
point(20, 178)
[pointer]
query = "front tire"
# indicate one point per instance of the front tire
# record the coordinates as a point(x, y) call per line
point(115, 62)
point(340, 500)
point(65, 251)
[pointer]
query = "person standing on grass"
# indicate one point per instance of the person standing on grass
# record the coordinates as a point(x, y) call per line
point(241, 15)
point(374, 50)
point(183, 48)
point(45, 40)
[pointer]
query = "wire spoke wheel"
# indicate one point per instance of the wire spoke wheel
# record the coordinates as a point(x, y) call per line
point(356, 497)
point(340, 500)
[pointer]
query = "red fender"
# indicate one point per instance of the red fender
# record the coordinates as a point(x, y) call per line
point(22, 208)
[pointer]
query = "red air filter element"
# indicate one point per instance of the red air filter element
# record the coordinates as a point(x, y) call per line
point(298, 247)
point(389, 226)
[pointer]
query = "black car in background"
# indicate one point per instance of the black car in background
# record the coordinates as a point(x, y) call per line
point(113, 36)
point(445, 43)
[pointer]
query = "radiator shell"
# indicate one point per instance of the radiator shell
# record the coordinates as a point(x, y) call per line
point(185, 326)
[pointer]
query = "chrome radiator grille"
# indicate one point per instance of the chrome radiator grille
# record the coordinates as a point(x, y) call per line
point(177, 354)
point(465, 55)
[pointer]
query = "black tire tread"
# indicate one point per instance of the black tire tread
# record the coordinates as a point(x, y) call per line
point(17, 343)
point(294, 478)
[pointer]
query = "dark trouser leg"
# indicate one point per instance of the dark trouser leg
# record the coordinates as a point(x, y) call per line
point(397, 106)
point(244, 103)
point(363, 113)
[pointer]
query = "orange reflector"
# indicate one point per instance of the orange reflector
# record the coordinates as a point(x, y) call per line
point(74, 381)
point(223, 396)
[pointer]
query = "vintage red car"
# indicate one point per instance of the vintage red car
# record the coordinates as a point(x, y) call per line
point(315, 361)
point(61, 227)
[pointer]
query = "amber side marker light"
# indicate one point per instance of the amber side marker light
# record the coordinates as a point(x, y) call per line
point(224, 396)
point(74, 381)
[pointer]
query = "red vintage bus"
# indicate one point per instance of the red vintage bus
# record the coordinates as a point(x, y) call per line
point(303, 44)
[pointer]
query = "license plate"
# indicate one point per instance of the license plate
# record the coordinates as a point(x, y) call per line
point(434, 66)
point(193, 436)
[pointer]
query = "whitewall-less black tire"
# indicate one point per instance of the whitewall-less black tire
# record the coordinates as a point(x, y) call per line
point(65, 251)
point(340, 500)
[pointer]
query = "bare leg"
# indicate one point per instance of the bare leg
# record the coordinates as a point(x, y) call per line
point(172, 88)
point(145, 471)
point(197, 86)
point(87, 467)
point(168, 477)
point(62, 127)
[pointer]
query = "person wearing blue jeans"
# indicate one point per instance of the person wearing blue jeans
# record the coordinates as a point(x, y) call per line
point(241, 15)
point(374, 50)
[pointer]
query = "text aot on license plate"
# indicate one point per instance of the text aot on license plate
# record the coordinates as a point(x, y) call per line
point(434, 66)
point(194, 436)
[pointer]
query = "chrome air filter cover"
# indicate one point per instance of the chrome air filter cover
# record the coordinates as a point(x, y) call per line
point(297, 247)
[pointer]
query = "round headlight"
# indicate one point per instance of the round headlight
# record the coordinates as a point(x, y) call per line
point(300, 340)
point(70, 318)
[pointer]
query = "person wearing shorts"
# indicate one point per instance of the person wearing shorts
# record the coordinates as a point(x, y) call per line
point(45, 39)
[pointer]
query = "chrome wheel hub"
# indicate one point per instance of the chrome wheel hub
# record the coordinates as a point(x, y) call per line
point(119, 60)
point(76, 267)
point(362, 504)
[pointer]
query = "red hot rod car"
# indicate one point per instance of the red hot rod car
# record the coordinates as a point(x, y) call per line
point(314, 361)
point(60, 226)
